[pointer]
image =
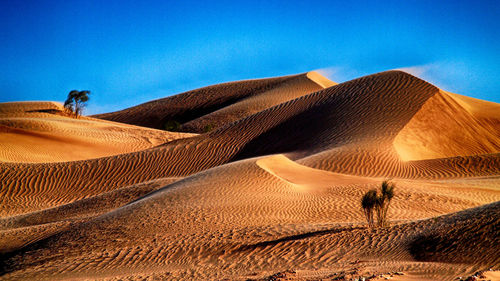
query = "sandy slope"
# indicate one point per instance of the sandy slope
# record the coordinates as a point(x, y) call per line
point(266, 214)
point(18, 231)
point(448, 126)
point(287, 90)
point(191, 105)
point(348, 128)
point(272, 192)
point(211, 107)
point(41, 132)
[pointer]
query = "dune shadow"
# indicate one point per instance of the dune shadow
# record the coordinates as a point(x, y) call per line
point(296, 237)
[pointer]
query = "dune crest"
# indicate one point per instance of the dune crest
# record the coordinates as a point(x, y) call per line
point(210, 107)
point(320, 79)
point(291, 172)
point(43, 132)
point(446, 127)
point(269, 188)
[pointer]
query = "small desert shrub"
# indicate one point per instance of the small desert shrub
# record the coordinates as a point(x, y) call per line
point(372, 201)
point(383, 201)
point(171, 125)
point(368, 203)
point(208, 128)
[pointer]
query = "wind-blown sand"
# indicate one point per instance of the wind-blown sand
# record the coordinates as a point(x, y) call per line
point(272, 191)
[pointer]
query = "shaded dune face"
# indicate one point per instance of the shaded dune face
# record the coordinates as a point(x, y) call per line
point(214, 106)
point(289, 89)
point(372, 109)
point(348, 128)
point(468, 231)
point(274, 188)
point(193, 104)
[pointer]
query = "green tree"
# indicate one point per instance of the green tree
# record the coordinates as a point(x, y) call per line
point(76, 101)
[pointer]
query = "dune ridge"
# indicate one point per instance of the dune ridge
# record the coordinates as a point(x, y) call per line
point(195, 219)
point(287, 90)
point(192, 104)
point(214, 106)
point(43, 132)
point(331, 139)
point(455, 131)
point(270, 191)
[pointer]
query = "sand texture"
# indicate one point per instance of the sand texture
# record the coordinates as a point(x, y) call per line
point(43, 132)
point(268, 189)
point(213, 106)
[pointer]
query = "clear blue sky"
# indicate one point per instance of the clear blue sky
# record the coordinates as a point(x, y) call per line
point(129, 52)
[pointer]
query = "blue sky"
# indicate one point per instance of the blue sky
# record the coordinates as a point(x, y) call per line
point(129, 52)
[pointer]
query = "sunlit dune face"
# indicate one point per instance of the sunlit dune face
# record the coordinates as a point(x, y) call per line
point(41, 132)
point(274, 189)
point(446, 126)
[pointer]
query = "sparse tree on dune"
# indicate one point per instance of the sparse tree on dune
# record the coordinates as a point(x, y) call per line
point(76, 101)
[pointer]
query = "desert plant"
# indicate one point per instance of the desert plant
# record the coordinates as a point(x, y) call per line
point(368, 203)
point(373, 201)
point(383, 202)
point(76, 101)
point(208, 128)
point(172, 125)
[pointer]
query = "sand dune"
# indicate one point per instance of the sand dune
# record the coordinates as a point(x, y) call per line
point(243, 98)
point(266, 213)
point(17, 231)
point(287, 90)
point(273, 190)
point(455, 130)
point(323, 130)
point(41, 132)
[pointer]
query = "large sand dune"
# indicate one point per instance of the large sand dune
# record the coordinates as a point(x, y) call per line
point(217, 105)
point(42, 132)
point(345, 128)
point(266, 213)
point(273, 190)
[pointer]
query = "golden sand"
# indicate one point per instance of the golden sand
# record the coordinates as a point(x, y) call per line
point(272, 191)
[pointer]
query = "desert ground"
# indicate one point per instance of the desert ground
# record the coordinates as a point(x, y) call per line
point(261, 180)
